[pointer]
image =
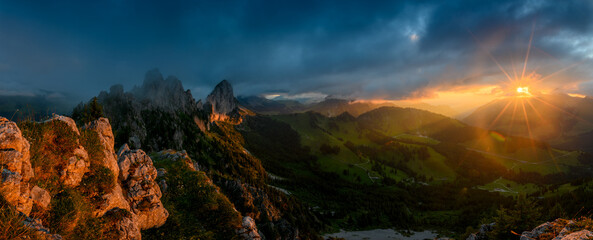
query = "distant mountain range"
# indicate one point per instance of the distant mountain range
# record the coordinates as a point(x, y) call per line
point(559, 119)
point(332, 107)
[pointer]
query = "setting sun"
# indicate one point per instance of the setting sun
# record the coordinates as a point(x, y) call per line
point(524, 90)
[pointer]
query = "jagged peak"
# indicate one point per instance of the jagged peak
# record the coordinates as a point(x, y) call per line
point(222, 99)
point(152, 76)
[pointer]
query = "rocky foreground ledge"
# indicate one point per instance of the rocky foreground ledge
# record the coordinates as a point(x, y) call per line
point(559, 229)
point(18, 186)
point(110, 195)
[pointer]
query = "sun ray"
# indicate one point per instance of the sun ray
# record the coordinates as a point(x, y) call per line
point(512, 122)
point(499, 115)
point(553, 158)
point(528, 50)
point(546, 53)
point(528, 125)
point(491, 57)
point(562, 110)
point(557, 72)
point(513, 117)
point(536, 111)
point(514, 69)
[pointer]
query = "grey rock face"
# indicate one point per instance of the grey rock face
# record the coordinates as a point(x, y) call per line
point(133, 113)
point(164, 94)
point(222, 99)
point(249, 229)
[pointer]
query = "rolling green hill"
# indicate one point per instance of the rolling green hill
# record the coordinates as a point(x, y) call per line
point(425, 159)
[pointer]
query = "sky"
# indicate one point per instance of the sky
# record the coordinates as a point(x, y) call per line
point(390, 50)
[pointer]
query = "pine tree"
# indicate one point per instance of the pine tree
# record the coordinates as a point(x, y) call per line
point(524, 216)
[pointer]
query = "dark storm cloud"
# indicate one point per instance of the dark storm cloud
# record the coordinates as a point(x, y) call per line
point(388, 49)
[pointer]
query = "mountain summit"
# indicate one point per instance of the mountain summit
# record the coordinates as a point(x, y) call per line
point(221, 103)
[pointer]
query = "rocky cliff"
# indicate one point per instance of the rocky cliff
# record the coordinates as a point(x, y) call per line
point(134, 113)
point(235, 199)
point(70, 181)
point(221, 104)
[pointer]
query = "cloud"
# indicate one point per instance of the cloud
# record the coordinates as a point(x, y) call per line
point(387, 49)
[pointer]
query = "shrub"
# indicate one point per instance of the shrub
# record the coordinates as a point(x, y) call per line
point(197, 208)
point(524, 216)
point(97, 182)
point(65, 207)
point(11, 222)
point(52, 144)
point(92, 144)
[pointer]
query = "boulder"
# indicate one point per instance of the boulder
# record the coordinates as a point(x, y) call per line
point(40, 196)
point(559, 229)
point(536, 232)
point(137, 176)
point(15, 192)
point(248, 229)
point(580, 235)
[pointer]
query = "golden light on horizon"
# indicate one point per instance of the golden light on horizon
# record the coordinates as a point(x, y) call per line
point(523, 91)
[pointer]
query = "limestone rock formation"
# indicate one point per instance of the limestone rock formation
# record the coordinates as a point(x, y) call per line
point(222, 98)
point(14, 149)
point(249, 229)
point(69, 121)
point(221, 103)
point(16, 192)
point(114, 199)
point(164, 94)
point(133, 113)
point(14, 157)
point(123, 225)
point(561, 229)
point(137, 176)
point(103, 129)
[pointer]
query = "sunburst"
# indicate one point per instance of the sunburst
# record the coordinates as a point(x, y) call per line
point(522, 95)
